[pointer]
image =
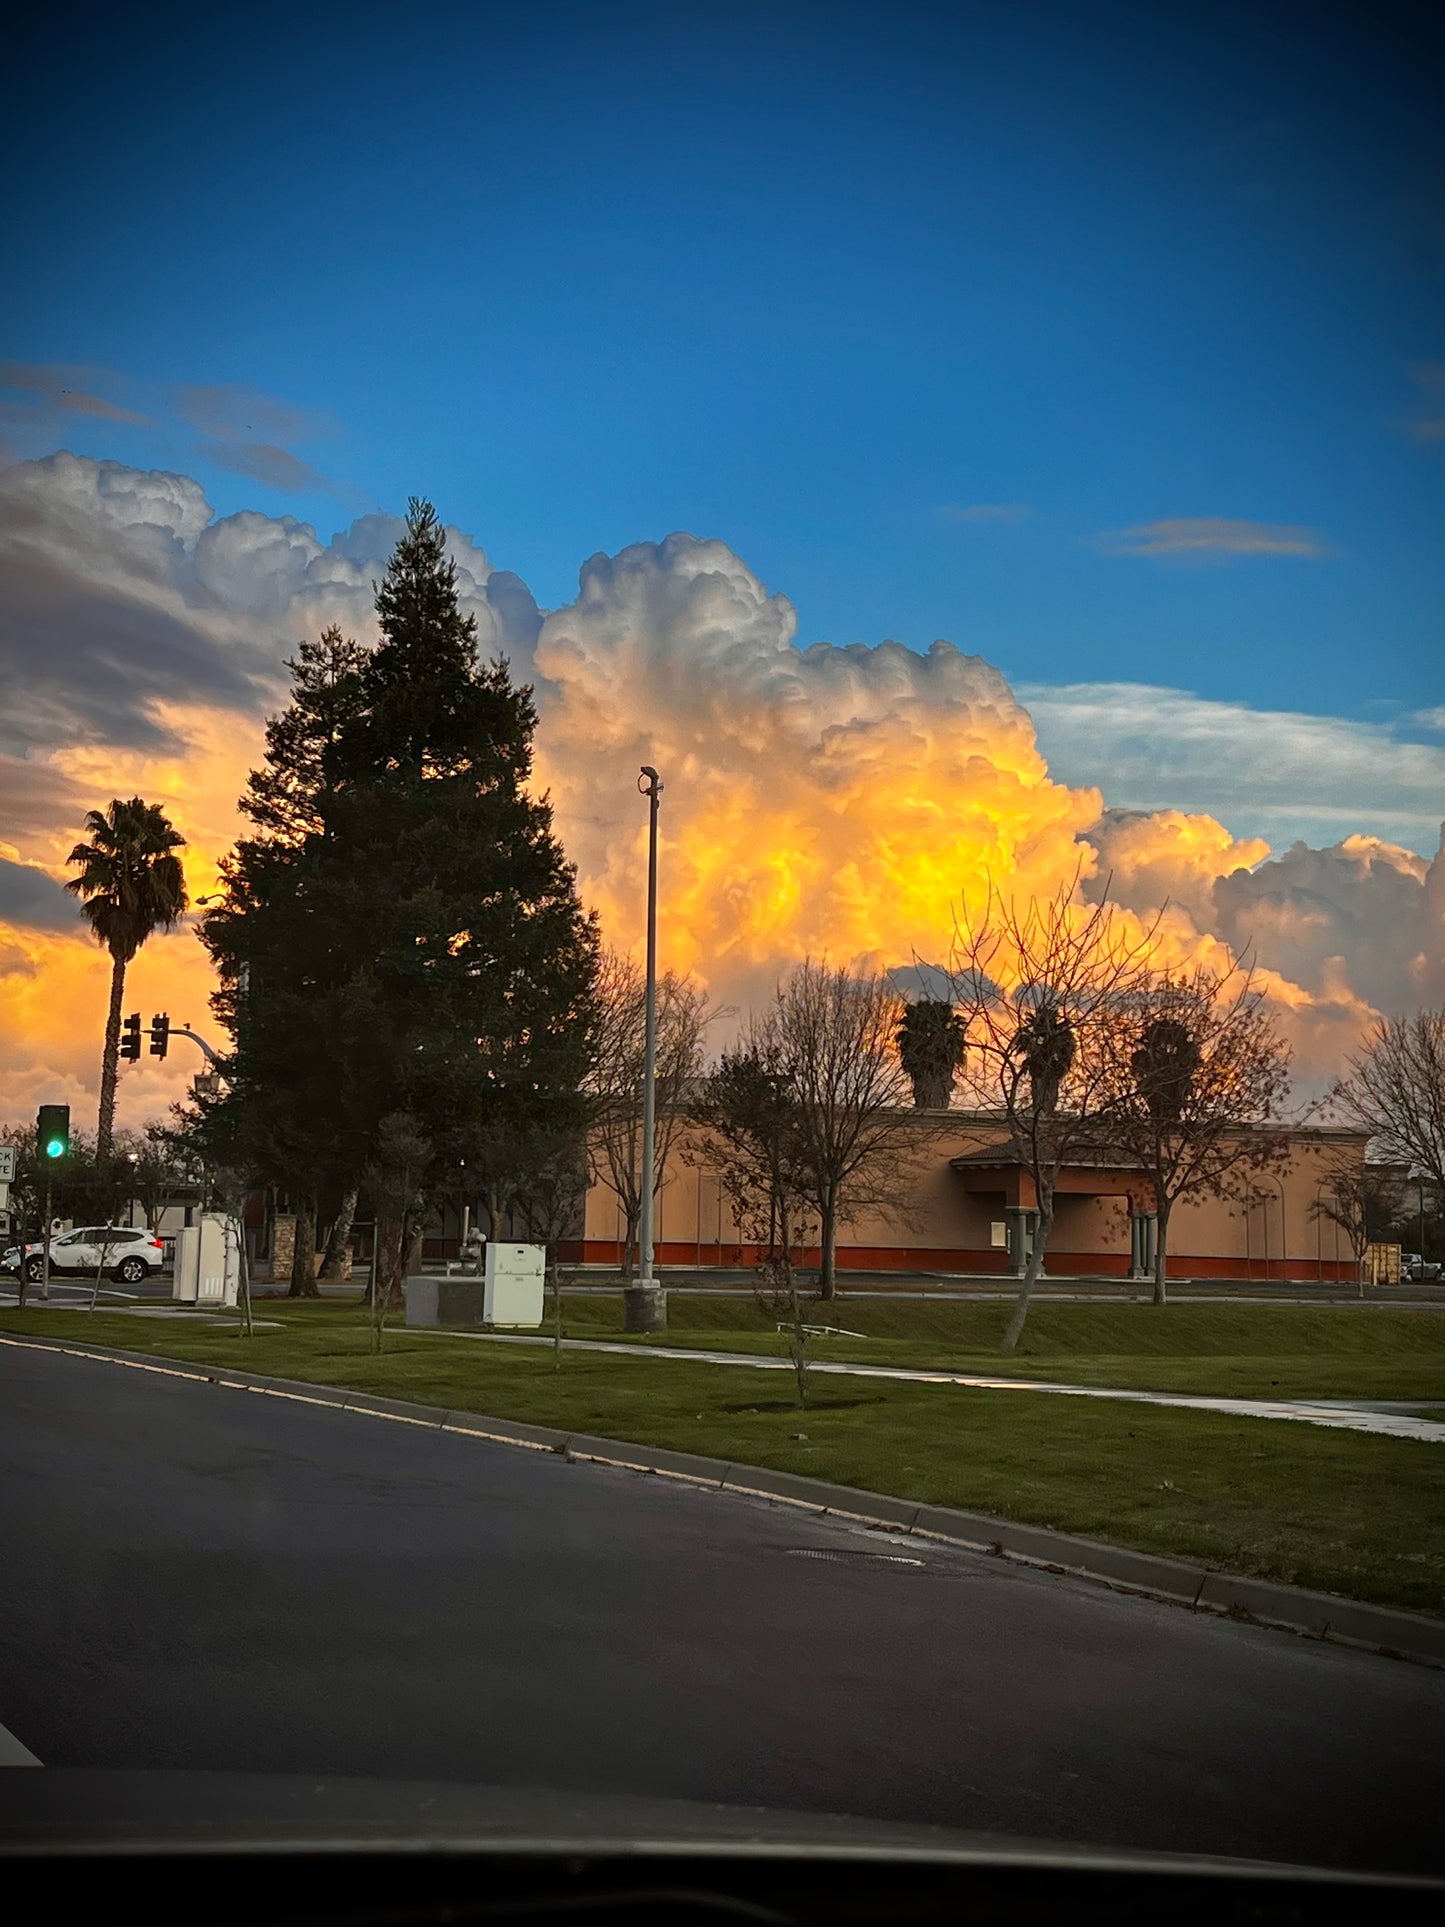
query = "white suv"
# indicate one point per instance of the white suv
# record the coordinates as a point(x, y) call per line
point(128, 1252)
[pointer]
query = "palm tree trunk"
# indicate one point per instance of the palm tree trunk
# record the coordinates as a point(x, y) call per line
point(110, 1061)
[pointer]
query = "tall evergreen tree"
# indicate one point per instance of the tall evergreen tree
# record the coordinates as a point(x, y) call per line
point(471, 947)
point(409, 928)
point(281, 992)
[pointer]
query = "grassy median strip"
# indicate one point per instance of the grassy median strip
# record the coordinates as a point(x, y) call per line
point(1228, 1351)
point(1341, 1512)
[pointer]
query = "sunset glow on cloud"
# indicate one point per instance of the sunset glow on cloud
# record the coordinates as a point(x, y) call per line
point(835, 800)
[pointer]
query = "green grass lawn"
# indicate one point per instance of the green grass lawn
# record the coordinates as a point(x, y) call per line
point(1238, 1351)
point(1342, 1512)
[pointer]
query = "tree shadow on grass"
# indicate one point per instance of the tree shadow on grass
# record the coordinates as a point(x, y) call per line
point(813, 1405)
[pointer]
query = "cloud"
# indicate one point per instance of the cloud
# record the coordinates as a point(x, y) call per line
point(126, 594)
point(264, 462)
point(236, 414)
point(1005, 512)
point(56, 390)
point(235, 420)
point(1206, 536)
point(830, 799)
point(1363, 911)
point(1277, 774)
point(835, 800)
point(1147, 859)
point(31, 897)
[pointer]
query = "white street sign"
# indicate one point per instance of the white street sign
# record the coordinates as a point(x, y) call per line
point(7, 1163)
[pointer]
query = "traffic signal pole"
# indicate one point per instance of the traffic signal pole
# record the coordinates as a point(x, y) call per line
point(45, 1255)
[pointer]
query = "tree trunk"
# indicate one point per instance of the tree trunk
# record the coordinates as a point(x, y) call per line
point(100, 1268)
point(631, 1232)
point(303, 1250)
point(828, 1251)
point(1031, 1277)
point(331, 1264)
point(110, 1061)
point(388, 1239)
point(1161, 1250)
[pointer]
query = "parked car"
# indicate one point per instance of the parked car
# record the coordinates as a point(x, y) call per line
point(1419, 1271)
point(129, 1253)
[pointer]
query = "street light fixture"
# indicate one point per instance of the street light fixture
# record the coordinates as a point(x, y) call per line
point(645, 1304)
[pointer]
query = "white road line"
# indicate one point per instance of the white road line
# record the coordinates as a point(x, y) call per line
point(12, 1753)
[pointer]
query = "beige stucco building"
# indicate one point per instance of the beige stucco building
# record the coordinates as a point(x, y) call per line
point(969, 1209)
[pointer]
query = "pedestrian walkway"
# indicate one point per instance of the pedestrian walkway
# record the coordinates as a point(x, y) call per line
point(1361, 1417)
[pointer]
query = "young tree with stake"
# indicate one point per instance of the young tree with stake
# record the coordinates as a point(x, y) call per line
point(1039, 986)
point(747, 1119)
point(858, 1134)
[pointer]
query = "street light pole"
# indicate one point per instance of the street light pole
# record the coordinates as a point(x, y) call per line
point(645, 1304)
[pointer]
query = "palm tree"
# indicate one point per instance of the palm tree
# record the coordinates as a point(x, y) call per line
point(1165, 1066)
point(130, 884)
point(1044, 1041)
point(930, 1040)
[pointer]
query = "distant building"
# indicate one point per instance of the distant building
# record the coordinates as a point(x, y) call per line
point(972, 1210)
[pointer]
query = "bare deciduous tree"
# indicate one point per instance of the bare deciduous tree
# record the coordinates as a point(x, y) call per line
point(1038, 986)
point(1360, 1198)
point(1197, 1072)
point(1395, 1089)
point(858, 1134)
point(614, 1086)
point(747, 1119)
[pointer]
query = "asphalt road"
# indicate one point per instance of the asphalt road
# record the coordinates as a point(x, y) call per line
point(196, 1578)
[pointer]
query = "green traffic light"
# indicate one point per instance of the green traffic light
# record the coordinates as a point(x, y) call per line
point(55, 1148)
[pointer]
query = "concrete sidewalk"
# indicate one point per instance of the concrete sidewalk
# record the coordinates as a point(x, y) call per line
point(1387, 1422)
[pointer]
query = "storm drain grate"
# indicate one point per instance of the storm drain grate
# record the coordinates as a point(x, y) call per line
point(842, 1558)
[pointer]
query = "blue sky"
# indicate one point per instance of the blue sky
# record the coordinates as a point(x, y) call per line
point(817, 281)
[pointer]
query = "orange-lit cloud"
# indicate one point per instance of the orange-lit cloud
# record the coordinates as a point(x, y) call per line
point(829, 800)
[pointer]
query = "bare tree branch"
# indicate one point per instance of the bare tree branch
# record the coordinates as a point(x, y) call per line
point(858, 1134)
point(1038, 986)
point(1196, 1072)
point(614, 1086)
point(1395, 1089)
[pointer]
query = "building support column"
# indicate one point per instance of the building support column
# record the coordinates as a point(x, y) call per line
point(1022, 1229)
point(1143, 1243)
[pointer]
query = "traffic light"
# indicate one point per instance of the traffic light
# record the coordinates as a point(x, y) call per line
point(52, 1131)
point(160, 1034)
point(130, 1038)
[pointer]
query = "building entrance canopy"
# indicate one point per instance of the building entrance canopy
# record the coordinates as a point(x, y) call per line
point(996, 1172)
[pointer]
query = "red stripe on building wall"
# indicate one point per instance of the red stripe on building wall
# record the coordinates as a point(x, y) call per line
point(917, 1258)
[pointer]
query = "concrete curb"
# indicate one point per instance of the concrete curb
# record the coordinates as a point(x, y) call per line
point(1317, 1615)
